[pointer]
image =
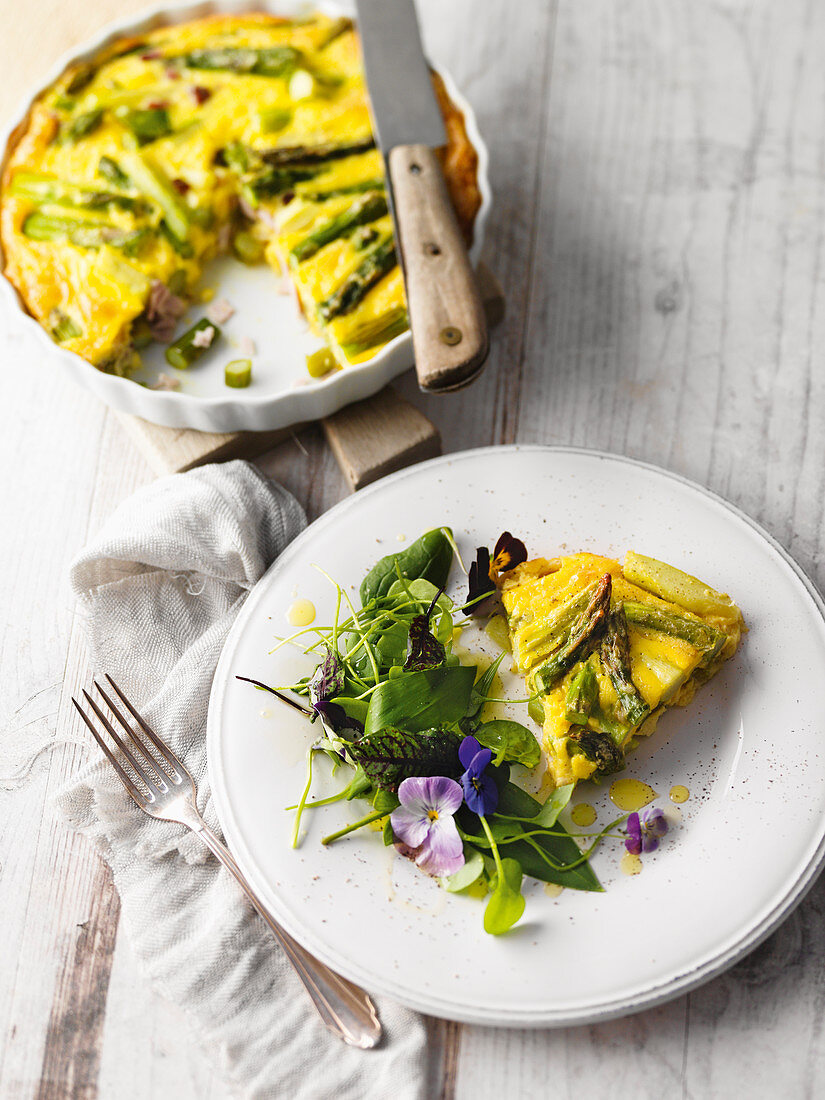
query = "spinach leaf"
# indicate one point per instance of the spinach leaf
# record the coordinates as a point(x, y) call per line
point(509, 741)
point(506, 903)
point(465, 876)
point(417, 701)
point(546, 855)
point(389, 756)
point(430, 557)
point(514, 802)
point(561, 850)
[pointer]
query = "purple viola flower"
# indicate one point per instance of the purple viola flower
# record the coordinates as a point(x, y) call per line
point(645, 832)
point(424, 823)
point(480, 791)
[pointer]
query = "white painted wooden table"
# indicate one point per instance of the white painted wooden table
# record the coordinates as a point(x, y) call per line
point(659, 173)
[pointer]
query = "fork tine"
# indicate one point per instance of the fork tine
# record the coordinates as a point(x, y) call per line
point(164, 776)
point(161, 746)
point(123, 775)
point(127, 752)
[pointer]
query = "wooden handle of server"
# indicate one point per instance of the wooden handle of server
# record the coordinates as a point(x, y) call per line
point(449, 329)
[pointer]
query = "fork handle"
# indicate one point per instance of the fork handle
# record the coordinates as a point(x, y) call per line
point(344, 1007)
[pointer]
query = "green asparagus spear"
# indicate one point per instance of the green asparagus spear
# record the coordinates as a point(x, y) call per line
point(148, 124)
point(348, 189)
point(84, 234)
point(192, 345)
point(543, 636)
point(582, 695)
point(364, 210)
point(379, 330)
point(700, 635)
point(585, 631)
point(376, 264)
point(247, 247)
point(63, 327)
point(364, 236)
point(149, 179)
point(110, 170)
point(272, 119)
point(83, 75)
point(671, 584)
point(41, 189)
point(615, 656)
point(316, 154)
point(183, 248)
point(238, 373)
point(266, 61)
point(274, 181)
point(82, 125)
point(599, 748)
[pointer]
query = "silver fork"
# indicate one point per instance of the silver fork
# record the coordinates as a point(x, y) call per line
point(170, 795)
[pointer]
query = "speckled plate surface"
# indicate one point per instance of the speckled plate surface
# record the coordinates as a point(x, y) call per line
point(281, 392)
point(749, 749)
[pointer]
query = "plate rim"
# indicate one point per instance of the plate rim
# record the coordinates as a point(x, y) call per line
point(686, 980)
point(237, 410)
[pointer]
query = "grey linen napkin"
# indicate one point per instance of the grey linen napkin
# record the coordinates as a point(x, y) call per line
point(160, 586)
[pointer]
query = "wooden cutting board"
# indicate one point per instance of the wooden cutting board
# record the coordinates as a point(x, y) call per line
point(369, 439)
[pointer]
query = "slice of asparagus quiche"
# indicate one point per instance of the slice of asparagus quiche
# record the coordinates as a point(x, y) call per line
point(606, 648)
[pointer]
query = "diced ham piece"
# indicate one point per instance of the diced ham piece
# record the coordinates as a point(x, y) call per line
point(224, 237)
point(163, 311)
point(219, 311)
point(246, 347)
point(166, 382)
point(203, 338)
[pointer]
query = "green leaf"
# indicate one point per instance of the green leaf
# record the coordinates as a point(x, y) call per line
point(389, 835)
point(355, 708)
point(514, 802)
point(423, 649)
point(425, 592)
point(506, 904)
point(535, 708)
point(465, 876)
point(417, 701)
point(509, 741)
point(562, 851)
point(429, 557)
point(549, 813)
point(385, 800)
point(389, 756)
point(547, 855)
point(482, 686)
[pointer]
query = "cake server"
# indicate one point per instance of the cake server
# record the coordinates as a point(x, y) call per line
point(449, 330)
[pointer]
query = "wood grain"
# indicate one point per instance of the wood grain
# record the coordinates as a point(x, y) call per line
point(378, 436)
point(658, 228)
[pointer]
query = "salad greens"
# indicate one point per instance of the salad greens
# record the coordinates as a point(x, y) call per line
point(394, 702)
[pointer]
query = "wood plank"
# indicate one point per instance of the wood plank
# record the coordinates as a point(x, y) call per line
point(375, 437)
point(173, 450)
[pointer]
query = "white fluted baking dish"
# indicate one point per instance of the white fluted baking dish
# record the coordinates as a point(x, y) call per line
point(281, 392)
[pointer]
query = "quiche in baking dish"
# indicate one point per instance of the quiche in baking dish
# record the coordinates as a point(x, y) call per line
point(607, 648)
point(244, 132)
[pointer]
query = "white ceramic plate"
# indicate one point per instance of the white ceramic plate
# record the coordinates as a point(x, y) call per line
point(749, 749)
point(282, 392)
